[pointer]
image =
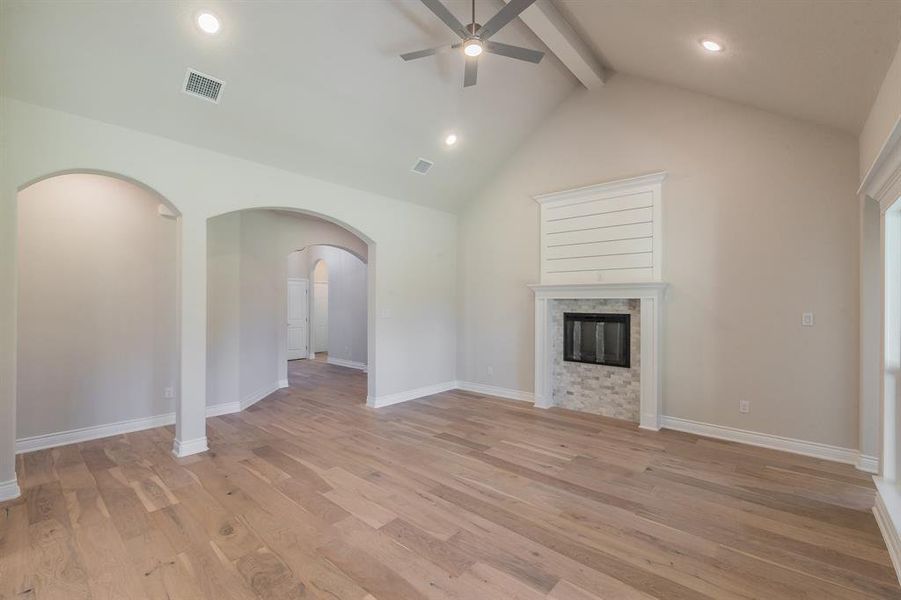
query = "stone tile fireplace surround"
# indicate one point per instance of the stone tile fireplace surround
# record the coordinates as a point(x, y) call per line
point(611, 391)
point(646, 355)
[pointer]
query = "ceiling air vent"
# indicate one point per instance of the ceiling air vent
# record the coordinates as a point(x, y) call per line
point(422, 166)
point(203, 86)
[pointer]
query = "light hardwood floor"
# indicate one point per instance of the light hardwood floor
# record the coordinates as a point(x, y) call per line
point(309, 494)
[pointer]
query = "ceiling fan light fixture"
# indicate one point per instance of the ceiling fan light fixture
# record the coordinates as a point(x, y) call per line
point(472, 47)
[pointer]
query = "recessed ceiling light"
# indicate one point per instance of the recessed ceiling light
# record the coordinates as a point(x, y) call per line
point(472, 47)
point(451, 139)
point(711, 45)
point(208, 22)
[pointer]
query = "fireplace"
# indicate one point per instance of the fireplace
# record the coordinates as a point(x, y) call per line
point(597, 338)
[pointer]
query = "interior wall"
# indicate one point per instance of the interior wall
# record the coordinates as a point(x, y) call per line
point(320, 307)
point(760, 225)
point(223, 309)
point(96, 297)
point(347, 294)
point(249, 261)
point(884, 116)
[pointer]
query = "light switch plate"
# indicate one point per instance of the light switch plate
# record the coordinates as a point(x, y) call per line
point(807, 319)
point(744, 406)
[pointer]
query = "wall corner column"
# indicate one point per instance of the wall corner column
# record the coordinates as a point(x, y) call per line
point(190, 404)
point(9, 487)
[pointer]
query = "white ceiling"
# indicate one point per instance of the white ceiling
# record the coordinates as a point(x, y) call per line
point(316, 86)
point(311, 86)
point(819, 60)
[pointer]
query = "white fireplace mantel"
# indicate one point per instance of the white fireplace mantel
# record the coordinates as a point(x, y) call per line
point(650, 293)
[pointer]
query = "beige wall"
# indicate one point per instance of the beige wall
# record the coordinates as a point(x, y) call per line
point(760, 225)
point(883, 118)
point(96, 297)
point(223, 309)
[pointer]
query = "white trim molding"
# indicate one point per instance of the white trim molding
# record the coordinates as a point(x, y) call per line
point(764, 440)
point(867, 464)
point(261, 393)
point(95, 432)
point(883, 179)
point(185, 448)
point(9, 490)
point(491, 390)
point(350, 364)
point(650, 293)
point(888, 516)
point(223, 408)
point(414, 394)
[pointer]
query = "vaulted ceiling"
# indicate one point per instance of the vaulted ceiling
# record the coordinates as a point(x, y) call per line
point(311, 86)
point(818, 60)
point(317, 86)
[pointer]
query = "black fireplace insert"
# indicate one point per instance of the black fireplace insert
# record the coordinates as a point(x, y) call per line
point(597, 338)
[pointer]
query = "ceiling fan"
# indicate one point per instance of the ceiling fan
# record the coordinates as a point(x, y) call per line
point(475, 37)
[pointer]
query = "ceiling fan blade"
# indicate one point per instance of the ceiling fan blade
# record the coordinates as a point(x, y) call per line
point(471, 71)
point(424, 53)
point(503, 16)
point(445, 15)
point(532, 56)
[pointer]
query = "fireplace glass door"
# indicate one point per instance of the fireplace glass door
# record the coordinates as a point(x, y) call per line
point(600, 339)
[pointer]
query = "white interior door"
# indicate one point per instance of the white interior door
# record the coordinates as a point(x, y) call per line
point(298, 318)
point(320, 317)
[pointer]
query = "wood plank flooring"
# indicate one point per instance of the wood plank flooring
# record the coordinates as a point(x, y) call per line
point(309, 494)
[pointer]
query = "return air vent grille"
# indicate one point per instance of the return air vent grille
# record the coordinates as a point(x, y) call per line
point(203, 86)
point(422, 166)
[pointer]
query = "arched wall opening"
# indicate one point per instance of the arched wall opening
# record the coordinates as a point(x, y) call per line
point(338, 303)
point(248, 278)
point(416, 261)
point(96, 307)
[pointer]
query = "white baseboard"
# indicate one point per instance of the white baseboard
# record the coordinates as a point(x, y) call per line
point(389, 399)
point(261, 393)
point(9, 490)
point(283, 383)
point(223, 408)
point(491, 390)
point(188, 447)
point(764, 440)
point(350, 364)
point(95, 432)
point(888, 516)
point(868, 464)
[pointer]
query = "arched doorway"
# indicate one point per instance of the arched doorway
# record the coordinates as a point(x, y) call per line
point(254, 257)
point(97, 310)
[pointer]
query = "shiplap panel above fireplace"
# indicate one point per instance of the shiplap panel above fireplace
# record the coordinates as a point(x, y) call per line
point(605, 233)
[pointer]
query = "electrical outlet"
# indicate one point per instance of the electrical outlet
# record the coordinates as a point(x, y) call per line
point(489, 371)
point(807, 319)
point(744, 406)
point(169, 392)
